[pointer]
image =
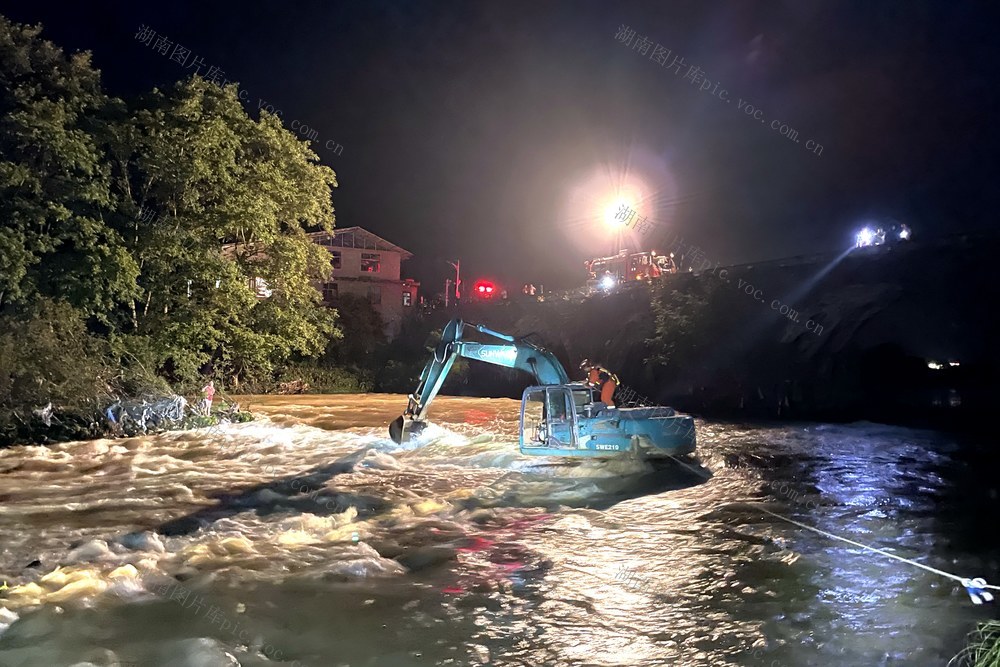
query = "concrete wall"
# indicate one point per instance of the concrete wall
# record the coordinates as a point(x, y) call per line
point(390, 305)
point(350, 263)
point(350, 279)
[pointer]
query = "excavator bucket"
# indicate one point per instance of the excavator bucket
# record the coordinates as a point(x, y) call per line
point(396, 429)
point(403, 427)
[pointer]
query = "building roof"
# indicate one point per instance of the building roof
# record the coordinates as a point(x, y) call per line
point(356, 237)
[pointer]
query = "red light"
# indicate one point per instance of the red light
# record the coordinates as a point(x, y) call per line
point(484, 288)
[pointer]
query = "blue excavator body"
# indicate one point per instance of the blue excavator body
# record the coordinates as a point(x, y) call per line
point(558, 417)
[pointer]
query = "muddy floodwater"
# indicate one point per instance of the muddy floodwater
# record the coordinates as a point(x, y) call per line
point(308, 538)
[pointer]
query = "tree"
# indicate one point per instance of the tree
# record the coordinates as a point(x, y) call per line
point(54, 182)
point(152, 220)
point(192, 172)
point(363, 334)
point(47, 354)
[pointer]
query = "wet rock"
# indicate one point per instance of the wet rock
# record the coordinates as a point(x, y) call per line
point(424, 557)
point(94, 550)
point(266, 497)
point(145, 541)
point(184, 525)
point(482, 515)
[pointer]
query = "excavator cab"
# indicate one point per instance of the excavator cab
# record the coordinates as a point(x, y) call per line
point(550, 416)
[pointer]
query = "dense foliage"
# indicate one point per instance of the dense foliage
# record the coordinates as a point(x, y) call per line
point(683, 322)
point(135, 233)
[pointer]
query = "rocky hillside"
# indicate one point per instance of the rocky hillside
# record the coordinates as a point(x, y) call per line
point(826, 337)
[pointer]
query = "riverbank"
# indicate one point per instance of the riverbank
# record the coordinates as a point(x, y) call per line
point(896, 337)
point(122, 419)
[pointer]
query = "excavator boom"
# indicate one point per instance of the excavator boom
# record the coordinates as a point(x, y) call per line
point(512, 353)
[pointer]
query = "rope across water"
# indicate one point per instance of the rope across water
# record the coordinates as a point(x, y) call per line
point(977, 588)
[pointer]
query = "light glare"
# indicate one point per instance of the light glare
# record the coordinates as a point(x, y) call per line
point(865, 237)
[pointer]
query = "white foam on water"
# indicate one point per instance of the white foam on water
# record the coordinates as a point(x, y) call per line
point(7, 618)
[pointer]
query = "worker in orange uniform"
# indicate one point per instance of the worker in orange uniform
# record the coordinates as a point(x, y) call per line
point(600, 377)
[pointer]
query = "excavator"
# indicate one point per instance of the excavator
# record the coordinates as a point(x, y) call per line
point(558, 417)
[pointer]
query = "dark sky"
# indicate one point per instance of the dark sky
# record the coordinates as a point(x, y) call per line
point(492, 131)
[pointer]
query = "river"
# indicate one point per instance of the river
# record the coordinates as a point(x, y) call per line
point(308, 538)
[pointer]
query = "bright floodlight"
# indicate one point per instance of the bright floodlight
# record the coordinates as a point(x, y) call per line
point(904, 233)
point(607, 282)
point(865, 237)
point(617, 211)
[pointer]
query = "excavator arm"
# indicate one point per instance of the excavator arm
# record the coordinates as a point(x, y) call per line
point(512, 353)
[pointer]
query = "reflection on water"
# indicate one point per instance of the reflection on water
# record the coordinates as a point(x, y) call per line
point(308, 537)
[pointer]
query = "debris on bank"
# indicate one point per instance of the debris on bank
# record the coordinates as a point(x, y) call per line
point(127, 417)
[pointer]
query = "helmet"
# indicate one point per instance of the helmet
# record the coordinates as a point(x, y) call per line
point(585, 363)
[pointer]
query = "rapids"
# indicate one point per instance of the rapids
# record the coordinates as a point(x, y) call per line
point(308, 538)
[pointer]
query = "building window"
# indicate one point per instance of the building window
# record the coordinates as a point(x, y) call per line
point(374, 295)
point(335, 259)
point(370, 262)
point(330, 292)
point(407, 299)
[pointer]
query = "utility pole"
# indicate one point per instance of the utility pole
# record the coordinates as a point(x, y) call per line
point(458, 278)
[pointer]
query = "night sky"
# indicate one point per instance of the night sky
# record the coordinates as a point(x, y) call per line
point(492, 131)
